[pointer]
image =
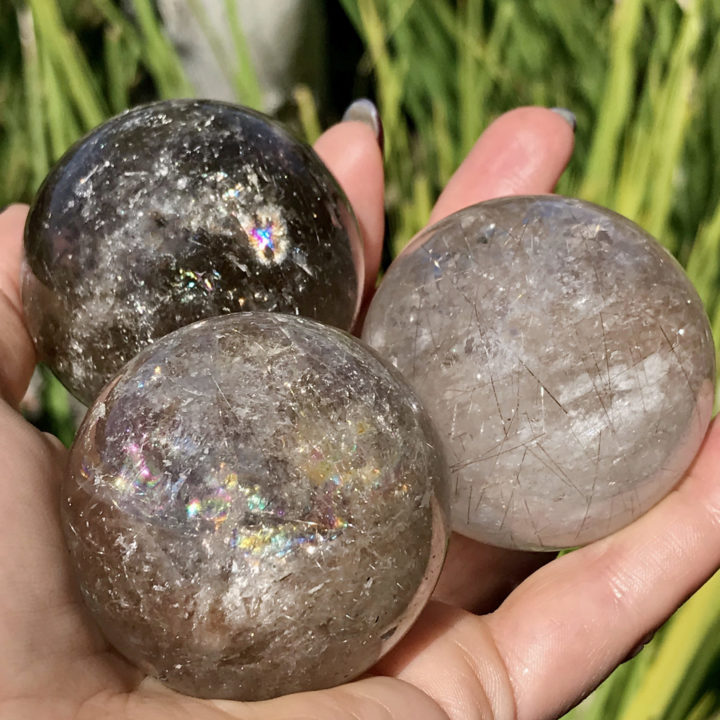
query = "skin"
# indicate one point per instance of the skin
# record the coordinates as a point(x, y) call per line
point(552, 639)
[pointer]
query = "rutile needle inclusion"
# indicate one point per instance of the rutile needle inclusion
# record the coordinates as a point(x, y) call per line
point(565, 358)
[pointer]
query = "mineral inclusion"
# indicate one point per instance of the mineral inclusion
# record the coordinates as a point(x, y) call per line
point(176, 211)
point(563, 354)
point(256, 506)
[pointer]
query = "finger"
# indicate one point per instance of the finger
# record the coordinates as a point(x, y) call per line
point(569, 625)
point(523, 152)
point(479, 577)
point(351, 152)
point(572, 622)
point(17, 354)
point(450, 655)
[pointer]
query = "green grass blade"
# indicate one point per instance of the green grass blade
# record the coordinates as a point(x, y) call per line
point(617, 101)
point(683, 639)
point(57, 402)
point(68, 61)
point(246, 79)
point(119, 76)
point(33, 94)
point(307, 110)
point(158, 54)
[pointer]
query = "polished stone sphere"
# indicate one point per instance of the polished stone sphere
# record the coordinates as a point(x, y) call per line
point(173, 212)
point(565, 358)
point(256, 505)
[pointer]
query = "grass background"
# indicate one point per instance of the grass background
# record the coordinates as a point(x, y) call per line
point(642, 77)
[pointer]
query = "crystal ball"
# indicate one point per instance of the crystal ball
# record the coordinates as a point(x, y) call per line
point(173, 212)
point(565, 357)
point(256, 505)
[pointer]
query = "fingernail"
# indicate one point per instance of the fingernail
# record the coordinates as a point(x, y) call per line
point(567, 115)
point(364, 111)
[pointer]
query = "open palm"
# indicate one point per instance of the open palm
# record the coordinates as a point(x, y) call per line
point(551, 641)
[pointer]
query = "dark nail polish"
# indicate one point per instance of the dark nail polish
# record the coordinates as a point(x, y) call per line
point(365, 111)
point(567, 115)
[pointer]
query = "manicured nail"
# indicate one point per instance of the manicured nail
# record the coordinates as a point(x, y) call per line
point(364, 111)
point(567, 115)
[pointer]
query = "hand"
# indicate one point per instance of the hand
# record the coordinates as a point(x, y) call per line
point(549, 643)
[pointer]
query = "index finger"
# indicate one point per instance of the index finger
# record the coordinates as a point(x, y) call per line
point(523, 152)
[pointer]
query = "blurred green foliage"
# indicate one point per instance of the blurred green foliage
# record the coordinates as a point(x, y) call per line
point(642, 77)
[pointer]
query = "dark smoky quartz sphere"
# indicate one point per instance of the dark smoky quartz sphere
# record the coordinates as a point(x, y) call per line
point(173, 212)
point(256, 505)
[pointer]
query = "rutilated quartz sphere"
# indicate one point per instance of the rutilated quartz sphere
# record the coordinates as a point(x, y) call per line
point(176, 211)
point(256, 505)
point(565, 358)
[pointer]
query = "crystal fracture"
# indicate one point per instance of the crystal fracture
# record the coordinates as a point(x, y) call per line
point(173, 212)
point(257, 505)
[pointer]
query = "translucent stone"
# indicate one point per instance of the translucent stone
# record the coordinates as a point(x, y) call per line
point(256, 506)
point(565, 358)
point(173, 212)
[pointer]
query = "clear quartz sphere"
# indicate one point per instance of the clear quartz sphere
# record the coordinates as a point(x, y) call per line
point(563, 354)
point(256, 505)
point(176, 211)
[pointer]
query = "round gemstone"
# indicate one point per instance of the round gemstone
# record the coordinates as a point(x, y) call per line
point(255, 506)
point(173, 212)
point(563, 354)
